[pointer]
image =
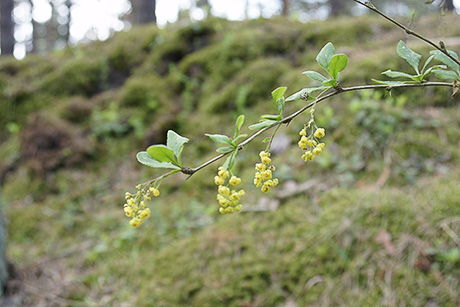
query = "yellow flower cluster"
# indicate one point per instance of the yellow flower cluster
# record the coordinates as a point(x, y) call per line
point(228, 199)
point(135, 207)
point(311, 143)
point(263, 178)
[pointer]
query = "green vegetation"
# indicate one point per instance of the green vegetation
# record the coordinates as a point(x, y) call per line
point(377, 227)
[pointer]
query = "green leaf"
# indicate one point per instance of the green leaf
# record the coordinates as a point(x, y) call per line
point(225, 149)
point(266, 140)
point(396, 74)
point(418, 78)
point(238, 125)
point(302, 92)
point(162, 153)
point(330, 82)
point(441, 57)
point(391, 82)
point(270, 117)
point(445, 74)
point(325, 55)
point(176, 142)
point(430, 58)
point(280, 106)
point(145, 158)
point(315, 75)
point(262, 125)
point(230, 161)
point(337, 64)
point(277, 94)
point(410, 56)
point(219, 138)
point(429, 70)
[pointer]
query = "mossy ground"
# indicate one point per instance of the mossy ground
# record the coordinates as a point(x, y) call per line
point(377, 228)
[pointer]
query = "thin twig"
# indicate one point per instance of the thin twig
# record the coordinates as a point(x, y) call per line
point(441, 46)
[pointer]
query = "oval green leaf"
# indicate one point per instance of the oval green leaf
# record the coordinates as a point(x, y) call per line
point(144, 158)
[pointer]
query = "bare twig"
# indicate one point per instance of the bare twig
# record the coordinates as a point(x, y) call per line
point(440, 47)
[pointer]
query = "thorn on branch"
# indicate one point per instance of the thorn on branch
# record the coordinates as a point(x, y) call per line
point(443, 46)
point(187, 171)
point(369, 4)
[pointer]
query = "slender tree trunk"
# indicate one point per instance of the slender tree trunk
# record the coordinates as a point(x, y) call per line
point(337, 7)
point(285, 8)
point(7, 27)
point(144, 11)
point(449, 5)
point(3, 240)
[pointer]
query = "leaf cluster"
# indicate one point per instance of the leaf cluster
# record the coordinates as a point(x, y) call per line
point(420, 75)
point(165, 156)
point(332, 63)
point(229, 145)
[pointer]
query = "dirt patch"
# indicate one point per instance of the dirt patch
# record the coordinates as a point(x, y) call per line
point(48, 143)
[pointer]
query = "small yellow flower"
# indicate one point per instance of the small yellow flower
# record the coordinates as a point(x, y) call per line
point(222, 173)
point(222, 210)
point(266, 160)
point(229, 210)
point(263, 154)
point(218, 180)
point(303, 132)
point(317, 150)
point(129, 211)
point(261, 167)
point(155, 192)
point(265, 188)
point(319, 133)
point(234, 180)
point(135, 222)
point(239, 208)
point(145, 213)
point(223, 190)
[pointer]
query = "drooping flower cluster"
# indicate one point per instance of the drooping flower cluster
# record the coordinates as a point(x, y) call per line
point(228, 199)
point(263, 178)
point(135, 206)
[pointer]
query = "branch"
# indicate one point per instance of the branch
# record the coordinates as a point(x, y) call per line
point(191, 171)
point(441, 46)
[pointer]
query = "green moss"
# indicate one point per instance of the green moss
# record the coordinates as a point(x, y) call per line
point(77, 77)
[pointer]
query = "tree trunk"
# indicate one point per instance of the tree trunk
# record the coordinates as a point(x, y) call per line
point(449, 5)
point(285, 8)
point(337, 7)
point(7, 27)
point(3, 240)
point(144, 11)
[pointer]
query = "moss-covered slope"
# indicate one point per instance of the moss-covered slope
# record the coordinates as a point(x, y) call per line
point(377, 225)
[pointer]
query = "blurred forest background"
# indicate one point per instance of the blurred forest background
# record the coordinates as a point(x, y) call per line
point(374, 221)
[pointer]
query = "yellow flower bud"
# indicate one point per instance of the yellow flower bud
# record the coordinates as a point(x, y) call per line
point(154, 191)
point(239, 208)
